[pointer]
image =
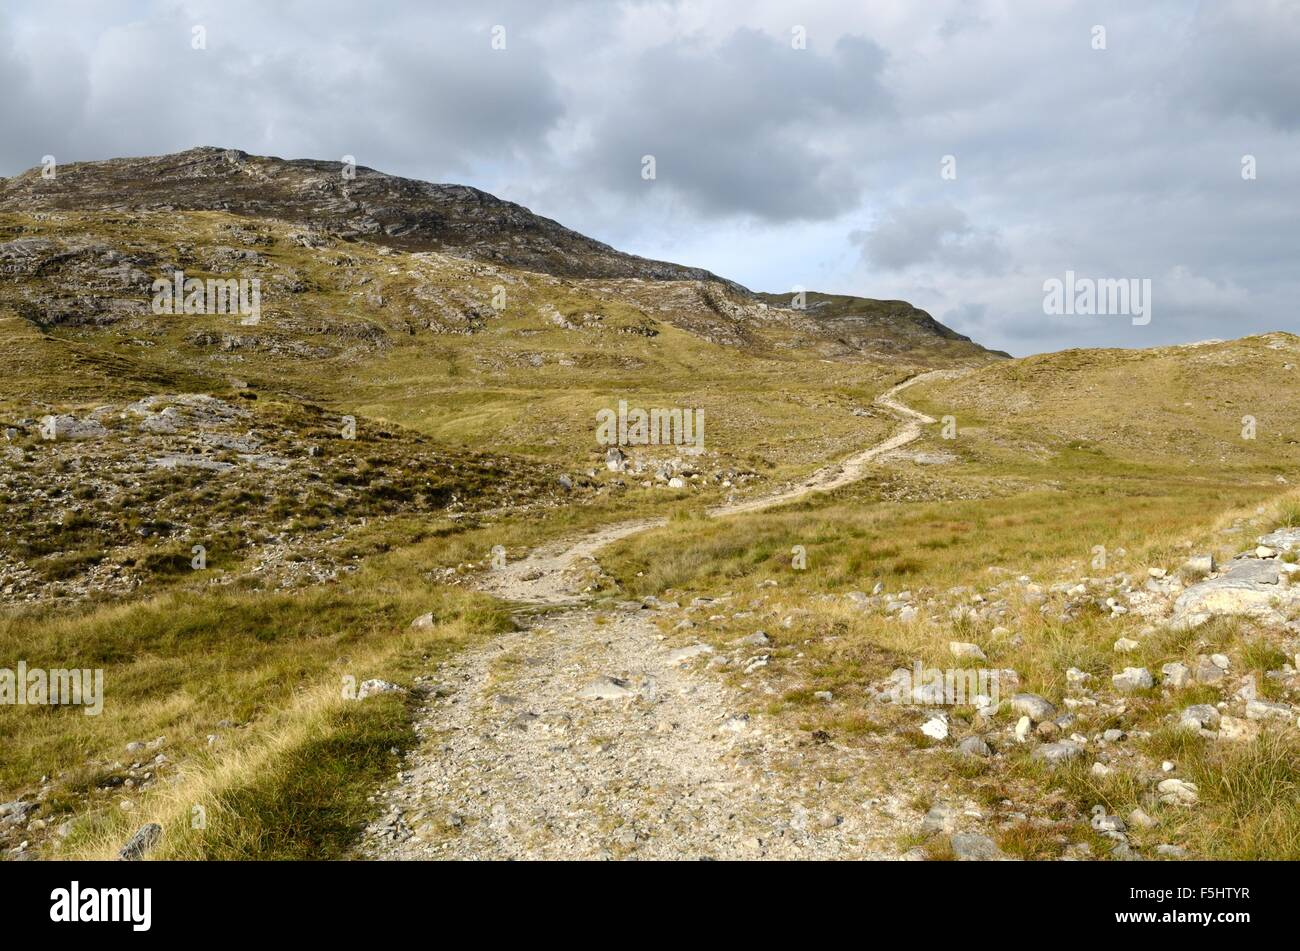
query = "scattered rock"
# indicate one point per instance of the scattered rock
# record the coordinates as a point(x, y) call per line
point(1060, 752)
point(1138, 817)
point(1178, 792)
point(145, 838)
point(936, 727)
point(606, 688)
point(373, 688)
point(684, 655)
point(1132, 679)
point(1268, 710)
point(1032, 706)
point(1238, 730)
point(974, 847)
point(1200, 716)
point(963, 649)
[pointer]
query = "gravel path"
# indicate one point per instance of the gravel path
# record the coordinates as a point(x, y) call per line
point(583, 736)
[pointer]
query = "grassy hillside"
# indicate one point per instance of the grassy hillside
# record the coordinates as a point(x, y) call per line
point(994, 537)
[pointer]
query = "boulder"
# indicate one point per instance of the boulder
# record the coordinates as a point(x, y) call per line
point(964, 649)
point(684, 655)
point(974, 847)
point(1033, 706)
point(1200, 716)
point(1248, 587)
point(145, 838)
point(1238, 730)
point(606, 688)
point(1060, 752)
point(1132, 679)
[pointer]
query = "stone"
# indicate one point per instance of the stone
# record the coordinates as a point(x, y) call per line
point(1060, 752)
point(145, 838)
point(1171, 851)
point(964, 649)
point(1126, 645)
point(1102, 822)
point(1032, 706)
point(1208, 672)
point(1132, 679)
point(825, 696)
point(940, 818)
point(757, 639)
point(373, 688)
point(684, 655)
point(936, 727)
point(974, 847)
point(1139, 817)
point(1023, 726)
point(1247, 587)
point(1238, 730)
point(615, 459)
point(676, 482)
point(424, 622)
point(974, 746)
point(1178, 792)
point(1268, 710)
point(606, 688)
point(69, 427)
point(1199, 716)
point(1286, 539)
point(1200, 565)
point(1176, 675)
point(17, 811)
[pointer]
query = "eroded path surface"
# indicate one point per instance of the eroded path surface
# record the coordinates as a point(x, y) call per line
point(583, 735)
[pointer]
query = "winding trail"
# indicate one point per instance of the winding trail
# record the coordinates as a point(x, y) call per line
point(539, 578)
point(583, 736)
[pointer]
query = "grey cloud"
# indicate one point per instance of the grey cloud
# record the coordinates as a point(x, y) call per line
point(1243, 59)
point(433, 99)
point(931, 235)
point(741, 129)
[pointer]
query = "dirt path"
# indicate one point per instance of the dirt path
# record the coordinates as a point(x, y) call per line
point(541, 577)
point(583, 736)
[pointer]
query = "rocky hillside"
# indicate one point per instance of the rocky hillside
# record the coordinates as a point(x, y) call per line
point(385, 209)
point(398, 214)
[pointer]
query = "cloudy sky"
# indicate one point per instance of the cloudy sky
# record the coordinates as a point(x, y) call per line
point(795, 143)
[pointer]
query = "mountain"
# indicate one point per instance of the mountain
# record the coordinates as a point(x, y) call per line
point(396, 212)
point(412, 216)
